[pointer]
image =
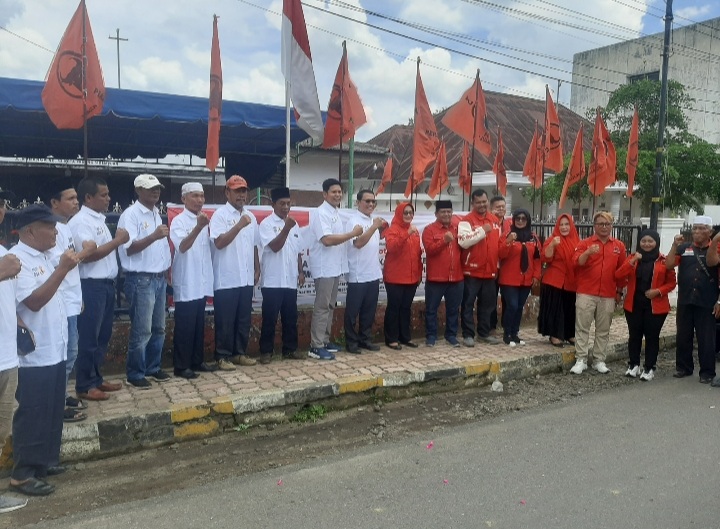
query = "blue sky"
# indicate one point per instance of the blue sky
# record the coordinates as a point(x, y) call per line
point(169, 44)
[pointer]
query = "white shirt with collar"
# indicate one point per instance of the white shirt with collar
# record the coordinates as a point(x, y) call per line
point(363, 263)
point(8, 321)
point(279, 269)
point(326, 261)
point(49, 324)
point(192, 274)
point(89, 225)
point(140, 222)
point(70, 287)
point(234, 265)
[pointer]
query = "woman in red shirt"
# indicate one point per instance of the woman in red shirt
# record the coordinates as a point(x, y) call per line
point(519, 253)
point(556, 318)
point(646, 303)
point(402, 274)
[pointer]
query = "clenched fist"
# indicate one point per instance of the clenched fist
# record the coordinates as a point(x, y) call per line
point(9, 266)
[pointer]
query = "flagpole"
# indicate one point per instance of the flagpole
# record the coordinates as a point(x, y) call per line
point(287, 134)
point(542, 167)
point(342, 86)
point(472, 155)
point(597, 113)
point(497, 180)
point(84, 91)
point(535, 169)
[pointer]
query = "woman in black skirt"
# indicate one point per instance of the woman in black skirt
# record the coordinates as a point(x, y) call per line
point(557, 292)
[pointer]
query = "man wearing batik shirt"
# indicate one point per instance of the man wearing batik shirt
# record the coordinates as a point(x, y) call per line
point(192, 281)
point(281, 275)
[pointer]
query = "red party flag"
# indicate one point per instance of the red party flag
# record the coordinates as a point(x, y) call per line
point(632, 154)
point(604, 159)
point(499, 166)
point(464, 174)
point(553, 143)
point(212, 152)
point(576, 168)
point(425, 137)
point(387, 175)
point(345, 109)
point(440, 179)
point(533, 166)
point(468, 118)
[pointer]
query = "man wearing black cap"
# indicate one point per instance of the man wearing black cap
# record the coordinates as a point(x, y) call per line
point(281, 273)
point(9, 268)
point(444, 277)
point(38, 421)
point(364, 274)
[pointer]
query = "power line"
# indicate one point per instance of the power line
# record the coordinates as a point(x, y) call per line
point(26, 39)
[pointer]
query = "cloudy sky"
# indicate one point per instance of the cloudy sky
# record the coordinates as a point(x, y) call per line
point(518, 45)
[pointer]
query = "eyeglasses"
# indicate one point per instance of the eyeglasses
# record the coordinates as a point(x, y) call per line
point(522, 218)
point(370, 201)
point(603, 224)
point(408, 213)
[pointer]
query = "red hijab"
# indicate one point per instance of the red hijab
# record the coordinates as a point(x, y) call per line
point(566, 249)
point(398, 219)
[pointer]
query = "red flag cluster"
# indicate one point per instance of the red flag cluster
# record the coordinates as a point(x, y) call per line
point(604, 159)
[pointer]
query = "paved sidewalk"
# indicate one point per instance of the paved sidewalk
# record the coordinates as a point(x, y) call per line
point(214, 402)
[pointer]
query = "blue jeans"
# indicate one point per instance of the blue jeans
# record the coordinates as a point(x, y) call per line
point(72, 349)
point(434, 292)
point(145, 294)
point(95, 324)
point(513, 302)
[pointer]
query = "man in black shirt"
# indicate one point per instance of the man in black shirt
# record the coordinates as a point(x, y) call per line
point(698, 303)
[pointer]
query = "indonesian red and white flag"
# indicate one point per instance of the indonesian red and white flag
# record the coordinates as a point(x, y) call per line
point(298, 70)
point(71, 95)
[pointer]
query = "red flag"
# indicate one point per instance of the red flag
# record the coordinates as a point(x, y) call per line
point(632, 154)
point(576, 169)
point(468, 118)
point(533, 166)
point(297, 68)
point(65, 87)
point(212, 152)
point(387, 175)
point(604, 159)
point(345, 110)
point(464, 174)
point(440, 179)
point(553, 144)
point(425, 138)
point(499, 166)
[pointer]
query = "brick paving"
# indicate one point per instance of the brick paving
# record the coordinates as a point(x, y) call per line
point(288, 374)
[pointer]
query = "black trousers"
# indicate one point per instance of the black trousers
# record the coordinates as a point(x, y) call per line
point(95, 325)
point(283, 302)
point(233, 307)
point(398, 312)
point(361, 303)
point(189, 335)
point(485, 292)
point(642, 322)
point(700, 321)
point(38, 422)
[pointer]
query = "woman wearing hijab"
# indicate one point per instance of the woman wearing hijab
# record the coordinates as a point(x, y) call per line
point(519, 254)
point(402, 274)
point(556, 318)
point(646, 302)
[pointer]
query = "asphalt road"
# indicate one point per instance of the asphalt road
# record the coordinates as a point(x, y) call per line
point(640, 456)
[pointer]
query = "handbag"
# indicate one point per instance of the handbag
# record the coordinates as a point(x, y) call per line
point(25, 341)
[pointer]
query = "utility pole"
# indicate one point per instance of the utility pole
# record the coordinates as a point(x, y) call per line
point(117, 39)
point(660, 150)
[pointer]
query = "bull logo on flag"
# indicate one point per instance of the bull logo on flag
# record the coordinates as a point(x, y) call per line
point(215, 97)
point(69, 73)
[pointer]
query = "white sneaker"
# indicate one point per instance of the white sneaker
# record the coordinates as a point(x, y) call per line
point(632, 372)
point(647, 375)
point(600, 367)
point(579, 367)
point(512, 344)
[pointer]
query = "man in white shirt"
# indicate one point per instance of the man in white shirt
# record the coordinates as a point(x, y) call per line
point(98, 273)
point(364, 274)
point(236, 271)
point(328, 261)
point(281, 273)
point(64, 204)
point(146, 260)
point(192, 281)
point(9, 269)
point(38, 422)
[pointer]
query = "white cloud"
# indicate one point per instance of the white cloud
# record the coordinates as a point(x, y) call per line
point(693, 13)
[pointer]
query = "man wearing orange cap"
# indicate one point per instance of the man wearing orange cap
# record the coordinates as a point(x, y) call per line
point(236, 270)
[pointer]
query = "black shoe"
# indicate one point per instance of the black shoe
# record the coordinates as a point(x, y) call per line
point(56, 470)
point(141, 383)
point(412, 345)
point(705, 379)
point(159, 376)
point(295, 355)
point(681, 374)
point(188, 374)
point(33, 487)
point(395, 347)
point(206, 367)
point(353, 349)
point(369, 346)
point(265, 358)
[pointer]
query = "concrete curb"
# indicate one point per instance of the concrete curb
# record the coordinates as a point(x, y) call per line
point(208, 418)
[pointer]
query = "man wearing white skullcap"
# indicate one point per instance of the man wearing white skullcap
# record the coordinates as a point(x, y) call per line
point(192, 281)
point(698, 303)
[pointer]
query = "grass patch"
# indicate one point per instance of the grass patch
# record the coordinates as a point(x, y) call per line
point(310, 413)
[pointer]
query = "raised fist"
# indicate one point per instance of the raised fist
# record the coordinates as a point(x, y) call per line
point(448, 237)
point(161, 232)
point(9, 266)
point(122, 235)
point(290, 222)
point(202, 220)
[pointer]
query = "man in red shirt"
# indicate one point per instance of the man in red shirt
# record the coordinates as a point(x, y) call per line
point(596, 259)
point(444, 277)
point(478, 236)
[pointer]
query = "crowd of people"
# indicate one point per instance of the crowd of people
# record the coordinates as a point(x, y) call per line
point(58, 287)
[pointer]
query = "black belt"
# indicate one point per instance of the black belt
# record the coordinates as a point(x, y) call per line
point(146, 274)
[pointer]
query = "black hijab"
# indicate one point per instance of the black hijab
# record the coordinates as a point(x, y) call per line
point(646, 265)
point(523, 235)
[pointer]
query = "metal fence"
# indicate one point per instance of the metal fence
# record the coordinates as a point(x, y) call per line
point(627, 233)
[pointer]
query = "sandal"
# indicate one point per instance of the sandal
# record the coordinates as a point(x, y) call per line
point(75, 404)
point(33, 487)
point(71, 415)
point(394, 347)
point(557, 344)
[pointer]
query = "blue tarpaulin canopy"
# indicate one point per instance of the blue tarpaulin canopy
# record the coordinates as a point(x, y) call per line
point(149, 125)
